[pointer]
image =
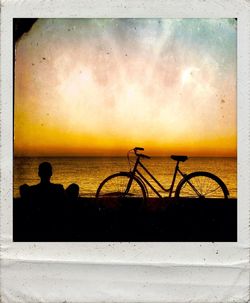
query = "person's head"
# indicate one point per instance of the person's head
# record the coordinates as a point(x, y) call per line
point(45, 171)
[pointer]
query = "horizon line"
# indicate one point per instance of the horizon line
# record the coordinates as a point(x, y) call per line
point(117, 156)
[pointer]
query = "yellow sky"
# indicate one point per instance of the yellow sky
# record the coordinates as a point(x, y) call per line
point(101, 87)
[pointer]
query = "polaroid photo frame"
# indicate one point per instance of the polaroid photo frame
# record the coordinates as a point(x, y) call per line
point(109, 271)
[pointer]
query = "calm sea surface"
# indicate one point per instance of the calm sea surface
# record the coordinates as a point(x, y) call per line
point(88, 172)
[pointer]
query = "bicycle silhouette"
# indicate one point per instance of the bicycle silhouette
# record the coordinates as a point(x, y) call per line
point(133, 184)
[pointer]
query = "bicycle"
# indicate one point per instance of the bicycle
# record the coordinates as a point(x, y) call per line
point(133, 184)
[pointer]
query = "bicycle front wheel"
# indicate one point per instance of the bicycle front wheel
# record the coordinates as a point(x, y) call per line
point(201, 185)
point(113, 192)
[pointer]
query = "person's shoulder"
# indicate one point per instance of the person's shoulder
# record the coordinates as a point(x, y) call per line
point(34, 187)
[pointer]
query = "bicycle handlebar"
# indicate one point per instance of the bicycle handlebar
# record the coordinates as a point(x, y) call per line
point(138, 148)
point(140, 155)
point(143, 156)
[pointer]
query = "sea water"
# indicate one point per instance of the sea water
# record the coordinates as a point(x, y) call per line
point(88, 172)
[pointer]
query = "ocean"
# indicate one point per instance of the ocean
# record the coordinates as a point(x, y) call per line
point(88, 172)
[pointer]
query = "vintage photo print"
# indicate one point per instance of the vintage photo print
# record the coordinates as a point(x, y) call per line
point(125, 151)
point(90, 95)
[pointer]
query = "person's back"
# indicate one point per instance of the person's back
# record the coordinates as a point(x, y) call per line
point(45, 192)
point(47, 199)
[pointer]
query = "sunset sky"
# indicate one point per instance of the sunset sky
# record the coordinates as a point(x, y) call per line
point(103, 86)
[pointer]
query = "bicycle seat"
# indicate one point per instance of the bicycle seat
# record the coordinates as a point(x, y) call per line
point(179, 158)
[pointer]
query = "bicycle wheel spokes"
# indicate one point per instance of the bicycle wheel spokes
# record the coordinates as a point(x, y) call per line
point(116, 188)
point(211, 189)
point(203, 185)
point(188, 191)
point(113, 191)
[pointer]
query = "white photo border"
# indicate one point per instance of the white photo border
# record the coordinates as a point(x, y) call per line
point(125, 272)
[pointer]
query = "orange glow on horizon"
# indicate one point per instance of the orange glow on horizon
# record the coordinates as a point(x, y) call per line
point(83, 90)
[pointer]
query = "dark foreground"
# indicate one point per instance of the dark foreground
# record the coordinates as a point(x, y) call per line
point(161, 220)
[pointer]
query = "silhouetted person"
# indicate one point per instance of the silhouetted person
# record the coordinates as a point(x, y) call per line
point(47, 200)
point(21, 209)
point(46, 190)
point(72, 192)
point(24, 191)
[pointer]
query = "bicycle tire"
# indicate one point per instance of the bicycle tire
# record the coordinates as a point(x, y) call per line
point(208, 186)
point(111, 191)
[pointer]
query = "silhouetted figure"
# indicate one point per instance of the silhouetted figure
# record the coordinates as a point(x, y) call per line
point(72, 192)
point(46, 190)
point(24, 192)
point(47, 201)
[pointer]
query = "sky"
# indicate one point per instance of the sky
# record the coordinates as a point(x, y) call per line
point(103, 86)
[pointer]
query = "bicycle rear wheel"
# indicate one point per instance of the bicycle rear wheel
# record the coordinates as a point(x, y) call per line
point(201, 185)
point(113, 193)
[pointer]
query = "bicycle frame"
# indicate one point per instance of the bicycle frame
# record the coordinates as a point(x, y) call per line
point(135, 172)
